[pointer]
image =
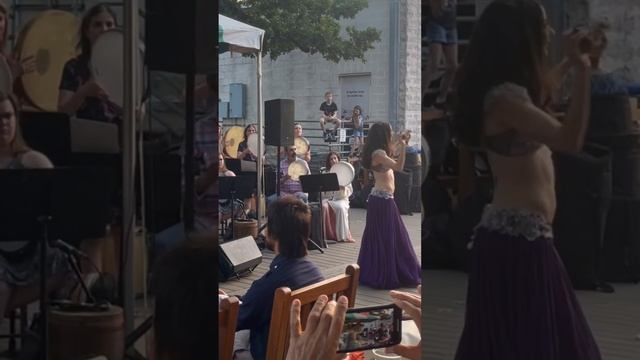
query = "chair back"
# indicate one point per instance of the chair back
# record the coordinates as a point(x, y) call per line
point(227, 320)
point(345, 284)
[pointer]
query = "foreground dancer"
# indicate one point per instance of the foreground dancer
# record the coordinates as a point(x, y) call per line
point(387, 259)
point(520, 304)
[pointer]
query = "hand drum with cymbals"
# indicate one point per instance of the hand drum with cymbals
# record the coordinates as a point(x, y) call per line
point(232, 138)
point(50, 39)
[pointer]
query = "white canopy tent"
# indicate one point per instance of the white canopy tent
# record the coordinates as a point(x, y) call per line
point(236, 36)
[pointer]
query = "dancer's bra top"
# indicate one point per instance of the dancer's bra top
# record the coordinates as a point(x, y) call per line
point(509, 143)
point(515, 222)
point(380, 167)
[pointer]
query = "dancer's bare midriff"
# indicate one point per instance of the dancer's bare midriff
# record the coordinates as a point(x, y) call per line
point(525, 182)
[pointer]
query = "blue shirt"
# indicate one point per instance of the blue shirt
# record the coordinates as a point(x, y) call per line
point(255, 311)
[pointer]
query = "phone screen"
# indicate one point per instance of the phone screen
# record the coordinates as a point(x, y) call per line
point(371, 328)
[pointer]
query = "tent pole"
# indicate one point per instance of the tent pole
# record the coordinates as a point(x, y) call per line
point(260, 172)
point(128, 162)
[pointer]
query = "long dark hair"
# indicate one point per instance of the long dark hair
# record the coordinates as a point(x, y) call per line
point(379, 137)
point(84, 45)
point(507, 45)
point(326, 161)
point(3, 40)
point(246, 128)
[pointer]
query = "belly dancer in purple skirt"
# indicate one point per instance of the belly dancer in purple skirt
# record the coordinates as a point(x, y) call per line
point(520, 303)
point(387, 259)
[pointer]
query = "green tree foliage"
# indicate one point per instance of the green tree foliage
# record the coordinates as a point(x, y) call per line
point(308, 25)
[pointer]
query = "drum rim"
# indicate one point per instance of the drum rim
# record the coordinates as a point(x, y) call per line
point(19, 48)
point(301, 164)
point(249, 142)
point(344, 164)
point(306, 144)
point(224, 140)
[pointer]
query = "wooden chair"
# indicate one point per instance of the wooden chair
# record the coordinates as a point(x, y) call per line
point(227, 320)
point(346, 284)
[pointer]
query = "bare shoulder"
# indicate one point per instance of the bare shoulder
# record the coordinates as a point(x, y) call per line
point(36, 160)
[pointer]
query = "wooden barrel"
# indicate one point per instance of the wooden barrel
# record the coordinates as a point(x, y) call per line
point(76, 334)
point(243, 228)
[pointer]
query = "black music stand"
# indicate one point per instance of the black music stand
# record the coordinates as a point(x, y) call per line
point(320, 183)
point(235, 187)
point(26, 205)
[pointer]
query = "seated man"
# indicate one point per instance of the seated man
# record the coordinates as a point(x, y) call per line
point(289, 186)
point(329, 112)
point(289, 228)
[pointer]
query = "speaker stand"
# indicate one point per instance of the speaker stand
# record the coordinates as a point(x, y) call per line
point(278, 173)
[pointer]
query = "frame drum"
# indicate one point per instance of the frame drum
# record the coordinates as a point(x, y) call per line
point(51, 39)
point(107, 66)
point(6, 77)
point(302, 145)
point(252, 143)
point(297, 169)
point(345, 172)
point(232, 138)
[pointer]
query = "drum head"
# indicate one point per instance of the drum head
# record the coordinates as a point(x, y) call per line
point(51, 39)
point(297, 169)
point(345, 172)
point(107, 66)
point(302, 145)
point(6, 78)
point(232, 138)
point(252, 143)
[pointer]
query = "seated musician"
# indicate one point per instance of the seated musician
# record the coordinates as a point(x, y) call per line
point(288, 229)
point(244, 152)
point(80, 94)
point(336, 207)
point(17, 67)
point(289, 186)
point(297, 132)
point(329, 111)
point(20, 261)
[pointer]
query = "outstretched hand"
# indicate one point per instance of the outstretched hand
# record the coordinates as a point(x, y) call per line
point(320, 339)
point(411, 304)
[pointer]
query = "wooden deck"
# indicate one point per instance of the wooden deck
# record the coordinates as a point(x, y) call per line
point(614, 318)
point(335, 259)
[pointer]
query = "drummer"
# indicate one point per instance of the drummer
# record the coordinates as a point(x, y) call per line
point(80, 95)
point(288, 186)
point(297, 133)
point(18, 68)
point(244, 152)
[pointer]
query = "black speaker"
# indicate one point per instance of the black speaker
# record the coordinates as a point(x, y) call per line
point(279, 117)
point(187, 47)
point(237, 257)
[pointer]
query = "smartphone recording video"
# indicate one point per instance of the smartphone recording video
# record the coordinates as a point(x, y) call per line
point(371, 328)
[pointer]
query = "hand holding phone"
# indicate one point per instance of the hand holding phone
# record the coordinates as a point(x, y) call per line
point(319, 340)
point(371, 328)
point(411, 304)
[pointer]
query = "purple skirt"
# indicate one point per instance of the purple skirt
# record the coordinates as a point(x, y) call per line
point(387, 259)
point(520, 303)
